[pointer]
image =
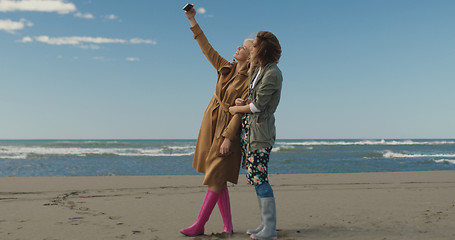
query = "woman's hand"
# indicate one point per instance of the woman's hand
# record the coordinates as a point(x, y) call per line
point(233, 110)
point(239, 109)
point(191, 13)
point(225, 149)
point(239, 102)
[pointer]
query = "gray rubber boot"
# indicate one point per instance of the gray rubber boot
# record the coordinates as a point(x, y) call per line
point(261, 226)
point(268, 213)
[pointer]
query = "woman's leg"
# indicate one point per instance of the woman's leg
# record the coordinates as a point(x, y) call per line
point(261, 226)
point(262, 191)
point(258, 176)
point(217, 188)
point(268, 212)
point(268, 216)
point(224, 205)
point(211, 198)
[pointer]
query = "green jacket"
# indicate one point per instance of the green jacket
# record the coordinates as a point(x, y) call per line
point(265, 96)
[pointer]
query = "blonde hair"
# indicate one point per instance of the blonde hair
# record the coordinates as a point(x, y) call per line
point(250, 40)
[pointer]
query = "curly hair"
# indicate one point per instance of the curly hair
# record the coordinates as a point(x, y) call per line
point(267, 49)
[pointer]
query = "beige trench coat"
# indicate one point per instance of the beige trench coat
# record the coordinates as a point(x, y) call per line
point(217, 122)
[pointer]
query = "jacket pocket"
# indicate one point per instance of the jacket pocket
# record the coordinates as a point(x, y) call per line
point(260, 130)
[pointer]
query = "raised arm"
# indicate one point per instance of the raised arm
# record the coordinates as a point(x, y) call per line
point(191, 16)
point(213, 56)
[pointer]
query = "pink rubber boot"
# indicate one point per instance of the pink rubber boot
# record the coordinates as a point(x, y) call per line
point(225, 209)
point(207, 207)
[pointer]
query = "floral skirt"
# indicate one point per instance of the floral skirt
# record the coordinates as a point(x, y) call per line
point(256, 162)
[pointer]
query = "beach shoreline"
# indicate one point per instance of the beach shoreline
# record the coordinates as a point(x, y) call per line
point(383, 205)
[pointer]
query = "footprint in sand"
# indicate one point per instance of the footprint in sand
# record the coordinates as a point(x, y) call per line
point(76, 220)
point(122, 236)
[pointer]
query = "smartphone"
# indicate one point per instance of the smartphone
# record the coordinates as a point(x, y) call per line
point(188, 7)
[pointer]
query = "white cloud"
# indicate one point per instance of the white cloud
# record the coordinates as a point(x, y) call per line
point(133, 59)
point(83, 42)
point(139, 41)
point(111, 17)
point(84, 15)
point(12, 26)
point(59, 6)
point(25, 40)
point(77, 40)
point(201, 10)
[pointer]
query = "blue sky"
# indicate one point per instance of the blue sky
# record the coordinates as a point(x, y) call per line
point(130, 68)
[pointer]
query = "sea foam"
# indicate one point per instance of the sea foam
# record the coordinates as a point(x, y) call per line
point(390, 154)
point(365, 142)
point(451, 161)
point(10, 152)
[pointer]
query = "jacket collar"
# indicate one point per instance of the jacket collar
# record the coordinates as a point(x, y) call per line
point(269, 65)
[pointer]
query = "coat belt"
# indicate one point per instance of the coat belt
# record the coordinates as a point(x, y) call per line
point(223, 106)
point(223, 116)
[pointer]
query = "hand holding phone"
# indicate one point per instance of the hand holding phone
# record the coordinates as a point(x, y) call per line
point(188, 7)
point(190, 12)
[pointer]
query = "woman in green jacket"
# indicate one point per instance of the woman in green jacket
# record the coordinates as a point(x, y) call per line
point(258, 126)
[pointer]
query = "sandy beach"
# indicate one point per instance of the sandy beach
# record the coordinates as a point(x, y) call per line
point(404, 205)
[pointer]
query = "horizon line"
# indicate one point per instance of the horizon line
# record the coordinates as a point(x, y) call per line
point(192, 139)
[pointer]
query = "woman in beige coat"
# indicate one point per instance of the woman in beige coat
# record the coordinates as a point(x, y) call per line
point(218, 151)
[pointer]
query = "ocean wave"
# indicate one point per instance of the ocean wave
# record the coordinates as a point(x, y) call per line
point(89, 143)
point(180, 147)
point(155, 154)
point(366, 142)
point(16, 156)
point(451, 161)
point(25, 152)
point(283, 148)
point(390, 154)
point(373, 155)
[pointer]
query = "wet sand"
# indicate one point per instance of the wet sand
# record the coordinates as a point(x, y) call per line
point(405, 205)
